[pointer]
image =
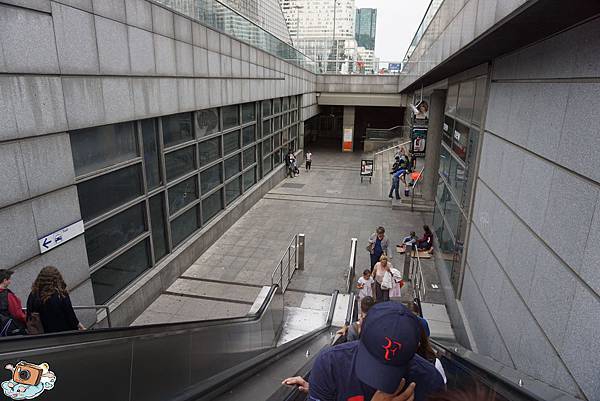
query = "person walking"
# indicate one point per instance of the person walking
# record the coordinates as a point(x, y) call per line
point(384, 281)
point(308, 157)
point(50, 299)
point(12, 318)
point(378, 245)
point(395, 189)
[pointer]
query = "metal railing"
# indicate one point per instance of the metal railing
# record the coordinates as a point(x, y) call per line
point(416, 275)
point(359, 67)
point(289, 262)
point(390, 148)
point(351, 266)
point(414, 187)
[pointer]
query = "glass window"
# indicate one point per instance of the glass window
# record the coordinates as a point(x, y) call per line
point(116, 188)
point(267, 166)
point(277, 140)
point(466, 97)
point(451, 99)
point(457, 178)
point(448, 130)
point(460, 140)
point(276, 106)
point(231, 116)
point(248, 112)
point(293, 116)
point(249, 178)
point(249, 156)
point(231, 142)
point(285, 136)
point(177, 129)
point(471, 157)
point(184, 226)
point(118, 273)
point(479, 104)
point(232, 166)
point(211, 206)
point(293, 104)
point(276, 124)
point(180, 162)
point(210, 178)
point(209, 150)
point(151, 158)
point(207, 122)
point(286, 103)
point(266, 127)
point(277, 157)
point(293, 131)
point(99, 147)
point(111, 234)
point(233, 190)
point(266, 108)
point(286, 119)
point(452, 215)
point(183, 194)
point(444, 169)
point(157, 220)
point(248, 135)
point(267, 146)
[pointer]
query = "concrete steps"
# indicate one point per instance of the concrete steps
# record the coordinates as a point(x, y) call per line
point(420, 205)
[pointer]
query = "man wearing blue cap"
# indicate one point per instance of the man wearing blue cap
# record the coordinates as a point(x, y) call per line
point(379, 365)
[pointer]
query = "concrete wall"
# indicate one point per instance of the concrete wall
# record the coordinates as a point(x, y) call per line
point(67, 65)
point(357, 83)
point(531, 291)
point(456, 24)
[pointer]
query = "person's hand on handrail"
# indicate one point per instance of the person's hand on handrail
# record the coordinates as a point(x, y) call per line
point(297, 381)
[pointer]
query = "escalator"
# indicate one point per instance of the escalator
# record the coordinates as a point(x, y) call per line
point(169, 362)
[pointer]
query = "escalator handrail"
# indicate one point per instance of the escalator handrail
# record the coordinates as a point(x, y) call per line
point(20, 343)
point(229, 378)
point(527, 386)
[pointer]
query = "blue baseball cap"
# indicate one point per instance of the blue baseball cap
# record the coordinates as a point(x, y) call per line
point(388, 341)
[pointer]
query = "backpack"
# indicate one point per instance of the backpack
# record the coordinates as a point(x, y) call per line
point(8, 325)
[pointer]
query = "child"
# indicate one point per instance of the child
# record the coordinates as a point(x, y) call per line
point(365, 285)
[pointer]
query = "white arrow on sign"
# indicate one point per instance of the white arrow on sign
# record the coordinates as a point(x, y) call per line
point(61, 236)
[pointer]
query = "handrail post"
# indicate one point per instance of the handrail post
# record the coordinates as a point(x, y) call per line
point(301, 241)
point(407, 261)
point(352, 265)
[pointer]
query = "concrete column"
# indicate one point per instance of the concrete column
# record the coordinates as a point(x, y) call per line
point(434, 141)
point(348, 129)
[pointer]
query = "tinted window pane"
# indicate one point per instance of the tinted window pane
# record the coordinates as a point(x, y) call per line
point(267, 165)
point(276, 106)
point(286, 103)
point(207, 122)
point(457, 178)
point(157, 220)
point(184, 226)
point(232, 166)
point(248, 112)
point(249, 178)
point(99, 147)
point(266, 108)
point(293, 102)
point(248, 135)
point(209, 151)
point(183, 194)
point(466, 97)
point(444, 162)
point(276, 141)
point(478, 106)
point(266, 128)
point(151, 159)
point(277, 157)
point(231, 142)
point(249, 156)
point(233, 190)
point(267, 146)
point(211, 206)
point(108, 236)
point(276, 123)
point(210, 178)
point(180, 162)
point(116, 188)
point(230, 117)
point(451, 99)
point(448, 130)
point(117, 274)
point(460, 140)
point(177, 128)
point(293, 132)
point(286, 120)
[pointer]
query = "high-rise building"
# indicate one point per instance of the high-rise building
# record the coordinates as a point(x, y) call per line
point(322, 29)
point(366, 26)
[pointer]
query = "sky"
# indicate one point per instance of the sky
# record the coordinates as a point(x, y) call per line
point(397, 22)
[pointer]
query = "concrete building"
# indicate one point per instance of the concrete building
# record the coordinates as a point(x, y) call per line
point(366, 27)
point(513, 168)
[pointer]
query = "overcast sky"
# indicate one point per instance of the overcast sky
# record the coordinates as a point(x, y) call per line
point(397, 22)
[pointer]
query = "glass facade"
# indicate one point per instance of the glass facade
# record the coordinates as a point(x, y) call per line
point(458, 153)
point(162, 179)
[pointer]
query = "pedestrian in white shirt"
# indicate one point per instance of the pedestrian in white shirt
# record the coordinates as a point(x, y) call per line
point(365, 285)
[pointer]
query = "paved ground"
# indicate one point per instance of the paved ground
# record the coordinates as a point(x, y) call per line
point(329, 205)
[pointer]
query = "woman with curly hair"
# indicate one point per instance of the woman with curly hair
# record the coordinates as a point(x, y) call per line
point(49, 297)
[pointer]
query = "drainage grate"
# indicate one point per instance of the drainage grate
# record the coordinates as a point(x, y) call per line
point(292, 185)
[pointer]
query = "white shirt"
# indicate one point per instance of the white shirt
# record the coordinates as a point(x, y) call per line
point(440, 368)
point(309, 156)
point(367, 290)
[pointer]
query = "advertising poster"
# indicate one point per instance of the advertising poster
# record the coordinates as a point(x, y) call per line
point(418, 141)
point(366, 167)
point(347, 140)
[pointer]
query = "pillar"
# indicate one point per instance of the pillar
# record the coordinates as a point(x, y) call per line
point(348, 129)
point(433, 144)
